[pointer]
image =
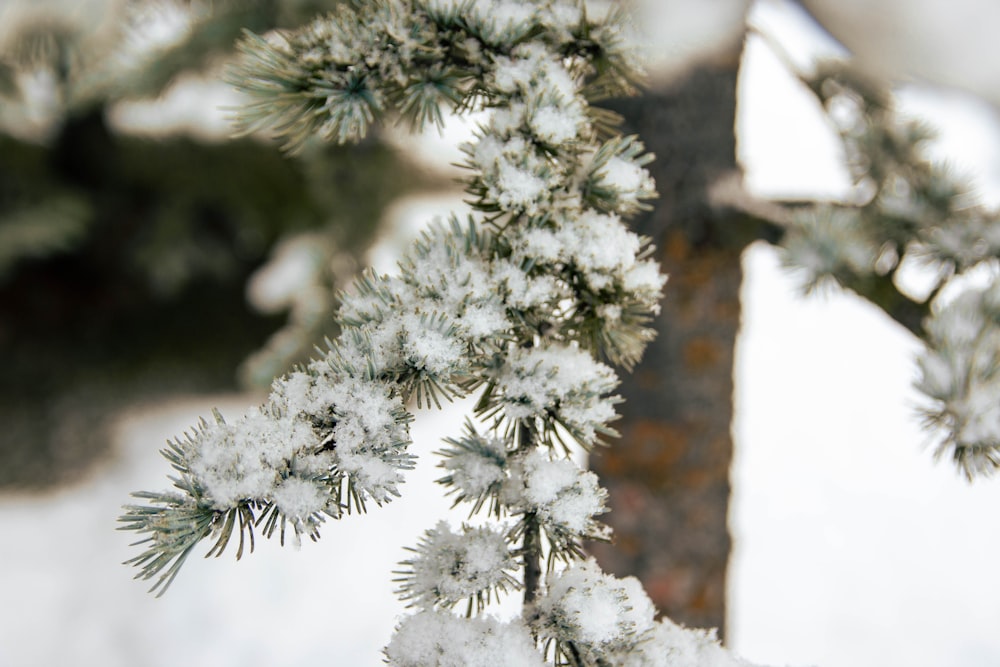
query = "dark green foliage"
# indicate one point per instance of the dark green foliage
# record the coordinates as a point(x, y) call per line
point(119, 253)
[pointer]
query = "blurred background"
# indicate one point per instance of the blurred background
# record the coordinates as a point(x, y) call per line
point(773, 480)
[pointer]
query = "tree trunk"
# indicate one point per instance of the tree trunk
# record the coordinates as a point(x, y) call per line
point(668, 475)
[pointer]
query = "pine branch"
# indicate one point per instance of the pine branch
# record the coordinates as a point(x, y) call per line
point(302, 88)
point(518, 301)
point(175, 527)
point(531, 546)
point(906, 207)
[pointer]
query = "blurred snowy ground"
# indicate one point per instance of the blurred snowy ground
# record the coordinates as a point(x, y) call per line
point(853, 548)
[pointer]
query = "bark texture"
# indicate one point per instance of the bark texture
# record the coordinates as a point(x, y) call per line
point(668, 475)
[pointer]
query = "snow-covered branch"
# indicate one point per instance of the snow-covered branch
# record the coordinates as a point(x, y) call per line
point(523, 302)
point(909, 211)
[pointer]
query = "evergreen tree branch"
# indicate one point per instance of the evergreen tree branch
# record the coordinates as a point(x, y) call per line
point(518, 301)
point(905, 207)
point(531, 546)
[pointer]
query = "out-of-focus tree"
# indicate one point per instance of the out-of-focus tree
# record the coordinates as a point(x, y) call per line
point(668, 478)
point(119, 249)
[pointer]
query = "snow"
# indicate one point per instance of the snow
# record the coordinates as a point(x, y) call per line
point(561, 379)
point(565, 497)
point(556, 124)
point(852, 547)
point(429, 349)
point(483, 320)
point(156, 26)
point(369, 429)
point(441, 638)
point(518, 188)
point(516, 177)
point(631, 181)
point(451, 567)
point(645, 278)
point(597, 245)
point(511, 75)
point(595, 610)
point(475, 464)
point(672, 645)
point(297, 498)
point(244, 460)
point(959, 373)
point(564, 14)
point(497, 18)
point(531, 71)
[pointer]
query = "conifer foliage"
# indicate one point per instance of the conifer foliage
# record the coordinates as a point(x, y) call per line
point(528, 303)
point(906, 211)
